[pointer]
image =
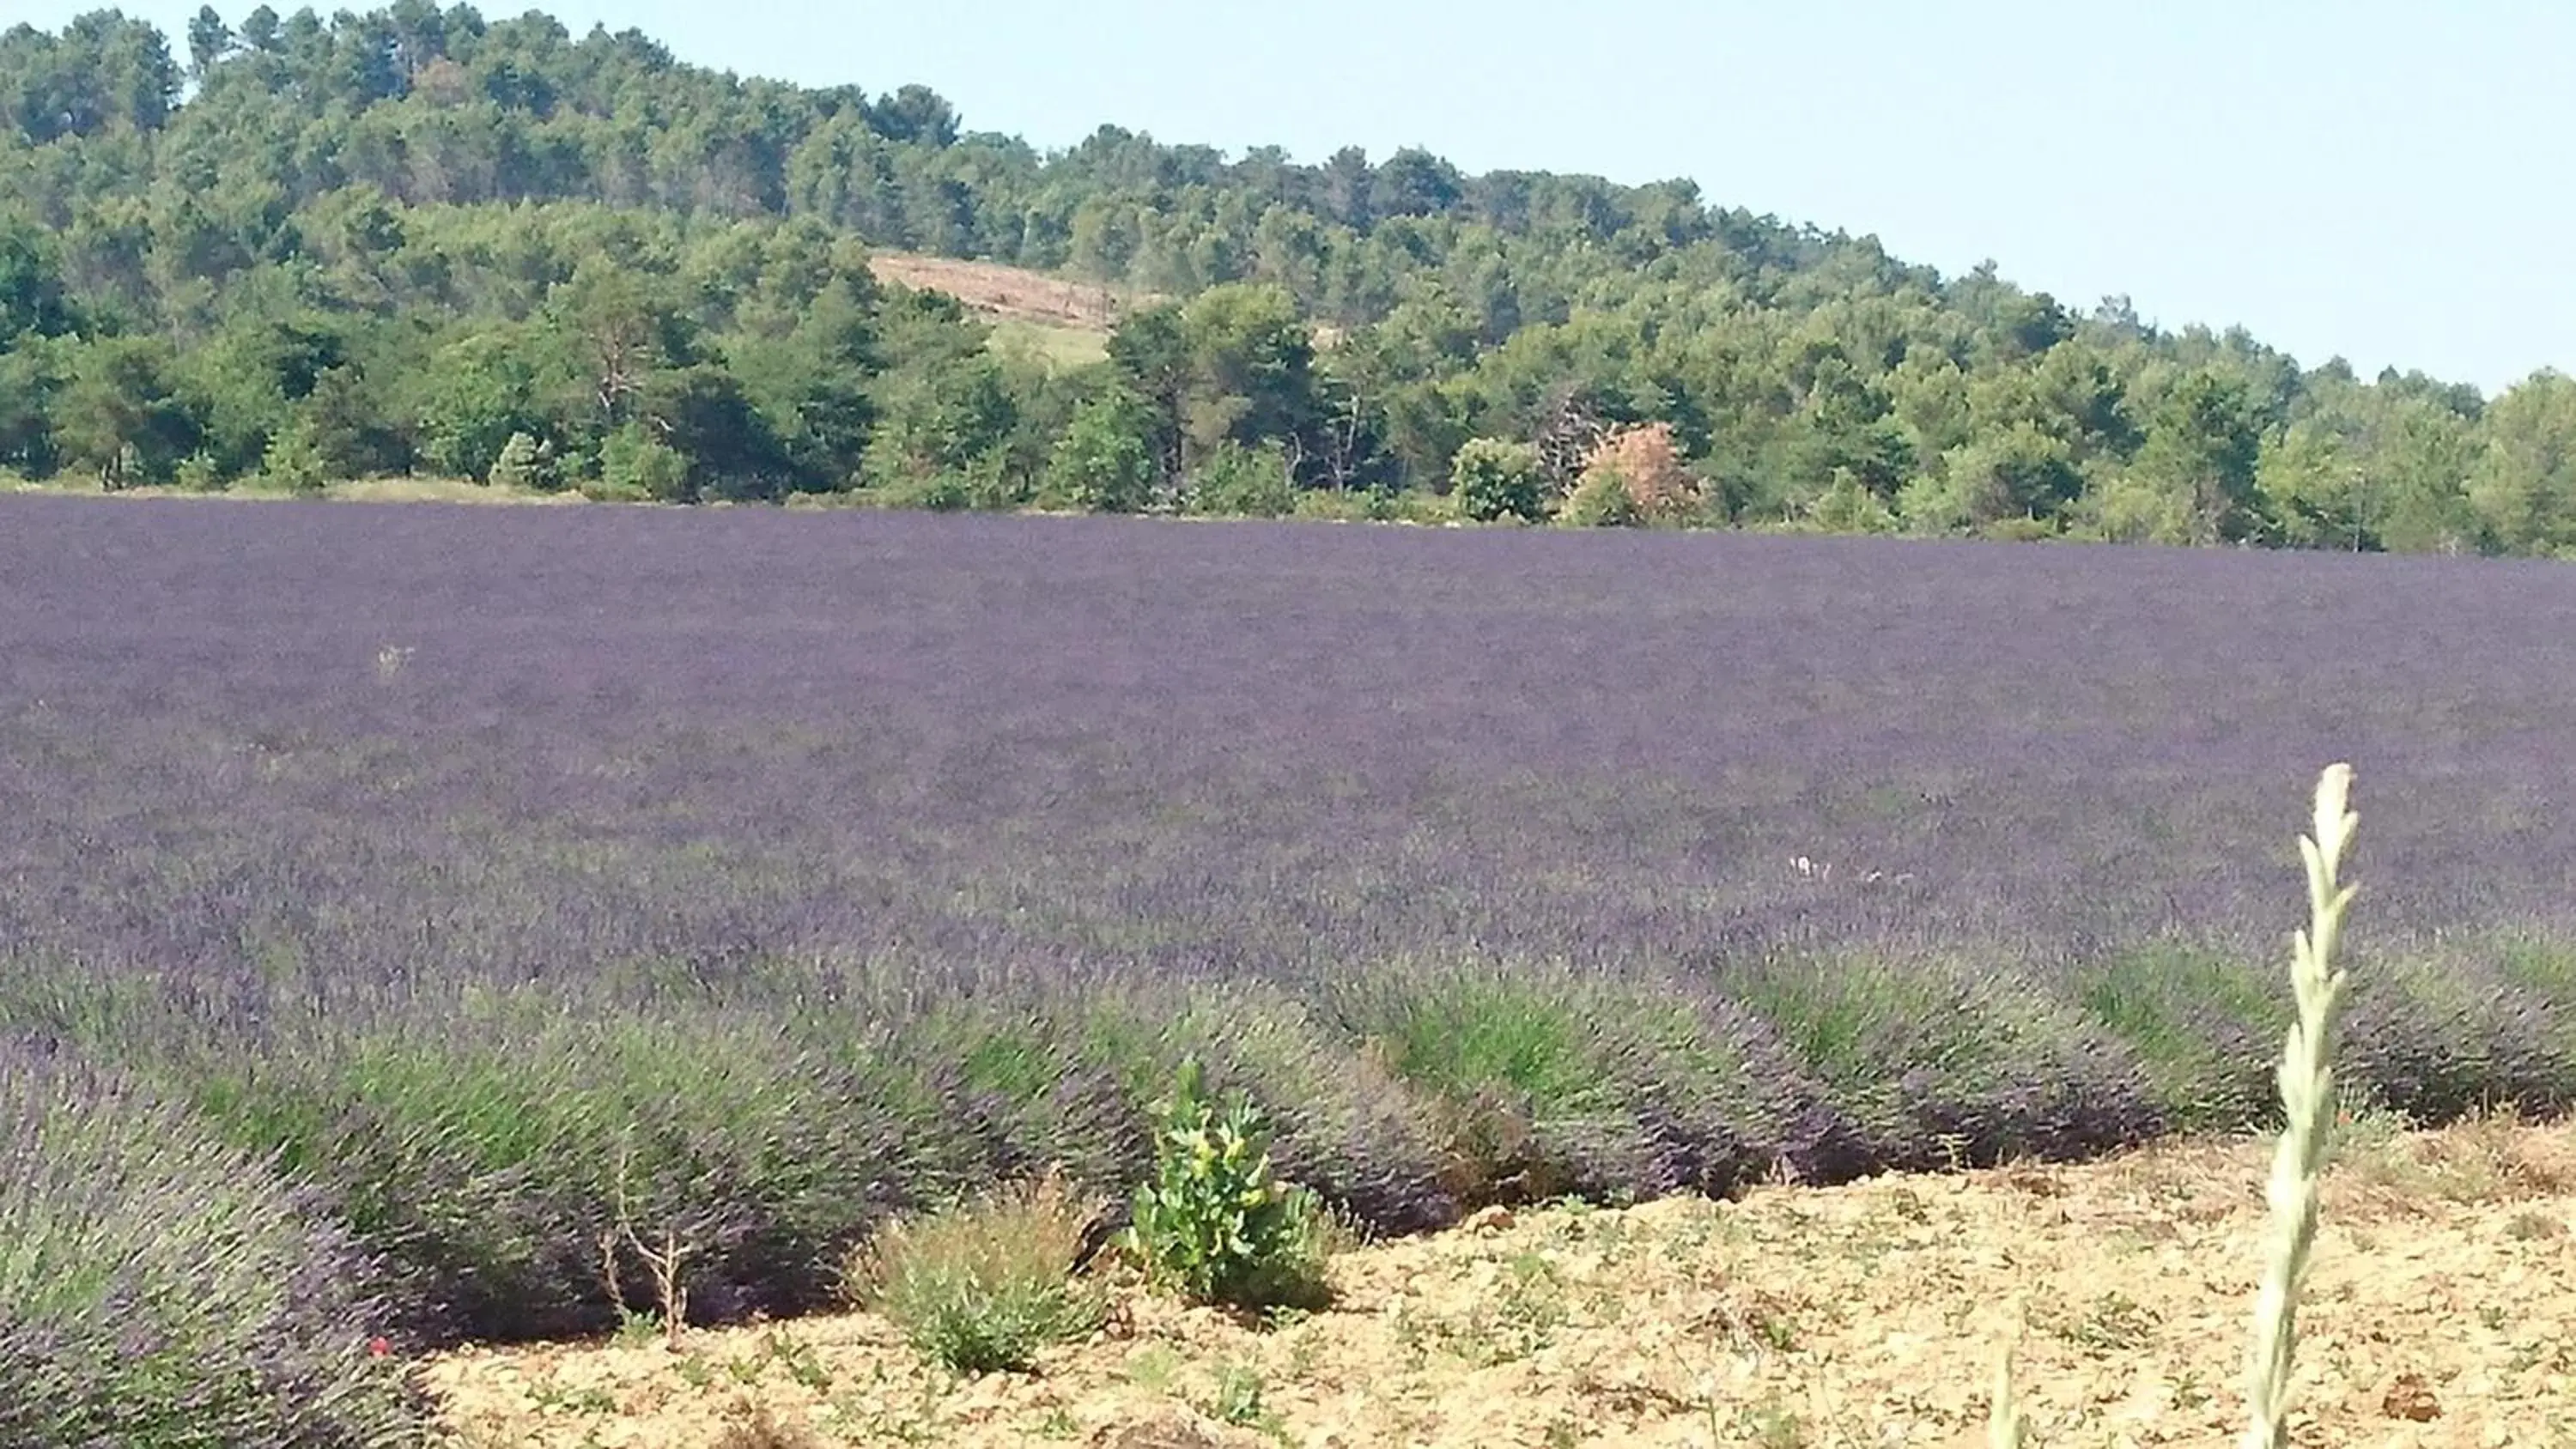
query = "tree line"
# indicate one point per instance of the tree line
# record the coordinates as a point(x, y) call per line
point(414, 240)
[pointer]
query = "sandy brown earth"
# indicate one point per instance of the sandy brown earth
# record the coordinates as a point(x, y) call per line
point(2442, 1311)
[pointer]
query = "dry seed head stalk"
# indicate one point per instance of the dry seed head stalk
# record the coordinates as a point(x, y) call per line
point(2308, 1107)
point(2005, 1426)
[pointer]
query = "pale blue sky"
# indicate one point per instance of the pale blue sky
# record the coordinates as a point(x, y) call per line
point(2378, 179)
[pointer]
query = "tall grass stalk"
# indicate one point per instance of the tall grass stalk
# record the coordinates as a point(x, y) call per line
point(2308, 1105)
point(2306, 1078)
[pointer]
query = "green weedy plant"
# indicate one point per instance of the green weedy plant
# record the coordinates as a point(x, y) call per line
point(1214, 1223)
point(982, 1286)
point(2308, 1106)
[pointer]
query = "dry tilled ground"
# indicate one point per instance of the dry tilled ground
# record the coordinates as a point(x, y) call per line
point(2440, 1312)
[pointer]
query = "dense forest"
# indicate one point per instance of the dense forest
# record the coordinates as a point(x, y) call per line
point(291, 250)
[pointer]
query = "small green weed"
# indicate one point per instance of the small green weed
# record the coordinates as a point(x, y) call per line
point(760, 1429)
point(1238, 1396)
point(1153, 1367)
point(549, 1394)
point(803, 1365)
point(2363, 1128)
point(637, 1330)
point(889, 1410)
point(2107, 1324)
point(1531, 1305)
point(1773, 1425)
point(2526, 1227)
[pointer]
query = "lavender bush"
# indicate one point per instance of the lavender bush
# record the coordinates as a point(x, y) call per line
point(158, 1288)
point(489, 1145)
point(787, 872)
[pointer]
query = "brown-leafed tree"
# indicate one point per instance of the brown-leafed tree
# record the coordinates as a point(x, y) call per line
point(1648, 465)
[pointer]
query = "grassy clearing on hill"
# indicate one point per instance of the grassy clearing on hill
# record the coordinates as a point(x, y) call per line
point(1050, 343)
point(1009, 292)
point(2437, 1313)
point(1055, 320)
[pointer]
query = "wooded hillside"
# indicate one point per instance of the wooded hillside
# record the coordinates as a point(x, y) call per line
point(292, 250)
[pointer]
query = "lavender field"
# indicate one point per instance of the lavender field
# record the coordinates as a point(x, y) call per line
point(775, 871)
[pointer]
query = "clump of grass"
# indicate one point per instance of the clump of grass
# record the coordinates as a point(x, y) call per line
point(982, 1286)
point(1214, 1222)
point(2309, 1104)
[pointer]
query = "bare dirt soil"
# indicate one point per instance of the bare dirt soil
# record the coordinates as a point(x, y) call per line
point(2441, 1311)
